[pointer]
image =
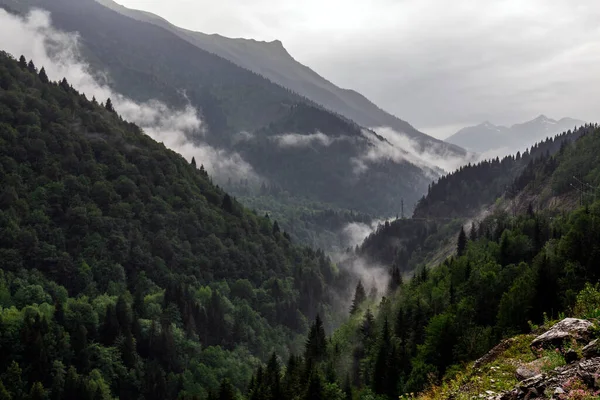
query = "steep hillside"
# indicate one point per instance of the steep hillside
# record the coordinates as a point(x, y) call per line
point(509, 275)
point(502, 140)
point(464, 197)
point(123, 270)
point(272, 61)
point(287, 140)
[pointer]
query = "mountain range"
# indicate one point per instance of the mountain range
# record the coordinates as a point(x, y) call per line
point(127, 272)
point(258, 92)
point(501, 140)
point(272, 60)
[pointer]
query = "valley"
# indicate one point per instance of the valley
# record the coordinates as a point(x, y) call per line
point(192, 217)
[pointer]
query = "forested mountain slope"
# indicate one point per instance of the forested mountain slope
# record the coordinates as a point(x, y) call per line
point(272, 61)
point(288, 140)
point(409, 243)
point(124, 272)
point(509, 275)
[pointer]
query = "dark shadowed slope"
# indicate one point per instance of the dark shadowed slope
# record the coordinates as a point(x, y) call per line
point(271, 60)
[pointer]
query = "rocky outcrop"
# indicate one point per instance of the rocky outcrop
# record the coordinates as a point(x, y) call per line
point(567, 329)
point(581, 375)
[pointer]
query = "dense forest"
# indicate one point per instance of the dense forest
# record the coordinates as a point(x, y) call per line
point(462, 193)
point(124, 272)
point(508, 274)
point(429, 236)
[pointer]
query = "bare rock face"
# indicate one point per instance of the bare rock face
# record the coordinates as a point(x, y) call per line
point(523, 373)
point(568, 328)
point(592, 349)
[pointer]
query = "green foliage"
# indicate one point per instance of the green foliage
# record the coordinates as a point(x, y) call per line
point(587, 304)
point(123, 270)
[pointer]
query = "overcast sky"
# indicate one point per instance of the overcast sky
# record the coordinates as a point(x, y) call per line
point(438, 64)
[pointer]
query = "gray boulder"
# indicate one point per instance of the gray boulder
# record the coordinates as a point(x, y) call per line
point(567, 329)
point(592, 349)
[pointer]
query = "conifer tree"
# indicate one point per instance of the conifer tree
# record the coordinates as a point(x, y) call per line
point(31, 67)
point(109, 105)
point(315, 388)
point(37, 392)
point(316, 344)
point(43, 76)
point(359, 298)
point(227, 204)
point(461, 247)
point(22, 62)
point(193, 162)
point(226, 391)
point(395, 280)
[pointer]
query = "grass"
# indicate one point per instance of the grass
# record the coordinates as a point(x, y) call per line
point(496, 376)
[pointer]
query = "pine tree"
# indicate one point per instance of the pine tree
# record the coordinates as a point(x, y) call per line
point(110, 328)
point(109, 105)
point(43, 76)
point(22, 62)
point(226, 391)
point(37, 392)
point(314, 390)
point(395, 280)
point(367, 327)
point(316, 344)
point(227, 204)
point(31, 67)
point(381, 367)
point(461, 247)
point(359, 298)
point(276, 228)
point(273, 377)
point(193, 162)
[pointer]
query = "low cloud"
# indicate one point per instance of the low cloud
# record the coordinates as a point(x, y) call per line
point(355, 233)
point(58, 52)
point(298, 140)
point(400, 148)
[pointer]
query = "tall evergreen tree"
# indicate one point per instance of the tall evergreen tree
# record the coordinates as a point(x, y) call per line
point(395, 280)
point(316, 344)
point(43, 76)
point(360, 296)
point(22, 62)
point(227, 204)
point(109, 105)
point(314, 390)
point(461, 246)
point(226, 391)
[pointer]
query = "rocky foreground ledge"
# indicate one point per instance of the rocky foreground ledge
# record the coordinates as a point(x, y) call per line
point(579, 379)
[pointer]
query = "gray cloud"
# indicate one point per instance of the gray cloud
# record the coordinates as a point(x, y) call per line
point(34, 37)
point(399, 148)
point(299, 140)
point(438, 64)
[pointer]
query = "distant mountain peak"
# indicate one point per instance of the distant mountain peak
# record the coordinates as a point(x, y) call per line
point(487, 136)
point(544, 119)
